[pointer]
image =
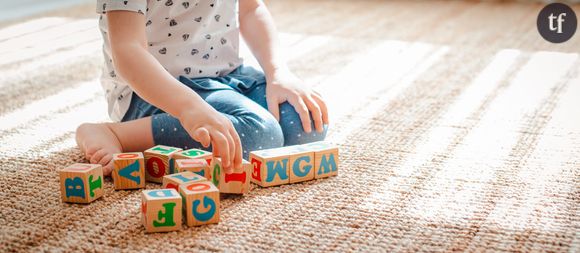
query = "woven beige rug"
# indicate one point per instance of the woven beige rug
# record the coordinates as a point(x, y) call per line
point(459, 130)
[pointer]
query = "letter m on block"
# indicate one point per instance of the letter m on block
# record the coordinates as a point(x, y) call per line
point(327, 164)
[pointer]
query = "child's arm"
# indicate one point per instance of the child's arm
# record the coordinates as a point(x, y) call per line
point(154, 84)
point(259, 32)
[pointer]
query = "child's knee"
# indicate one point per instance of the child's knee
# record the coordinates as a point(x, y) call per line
point(265, 133)
point(292, 129)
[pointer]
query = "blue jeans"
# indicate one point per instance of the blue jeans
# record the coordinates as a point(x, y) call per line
point(241, 97)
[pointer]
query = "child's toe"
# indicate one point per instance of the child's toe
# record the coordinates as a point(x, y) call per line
point(97, 156)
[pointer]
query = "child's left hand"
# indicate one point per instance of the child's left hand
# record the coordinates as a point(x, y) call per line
point(284, 86)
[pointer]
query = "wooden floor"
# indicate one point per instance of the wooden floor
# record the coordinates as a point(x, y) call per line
point(458, 126)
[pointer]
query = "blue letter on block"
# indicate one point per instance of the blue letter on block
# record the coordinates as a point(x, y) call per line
point(74, 187)
point(296, 166)
point(185, 179)
point(160, 193)
point(127, 172)
point(207, 201)
point(329, 164)
point(278, 168)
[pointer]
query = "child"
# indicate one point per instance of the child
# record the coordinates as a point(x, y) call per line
point(174, 77)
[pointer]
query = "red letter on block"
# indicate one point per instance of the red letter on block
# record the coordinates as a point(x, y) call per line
point(256, 173)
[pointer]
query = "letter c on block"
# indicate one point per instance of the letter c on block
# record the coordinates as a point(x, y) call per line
point(207, 203)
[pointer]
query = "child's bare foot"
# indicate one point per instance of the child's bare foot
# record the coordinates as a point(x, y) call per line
point(98, 142)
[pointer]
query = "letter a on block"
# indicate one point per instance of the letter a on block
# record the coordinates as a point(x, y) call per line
point(128, 170)
point(131, 172)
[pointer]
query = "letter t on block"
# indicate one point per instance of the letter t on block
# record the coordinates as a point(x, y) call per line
point(161, 210)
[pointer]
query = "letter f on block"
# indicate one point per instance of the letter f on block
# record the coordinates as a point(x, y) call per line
point(165, 219)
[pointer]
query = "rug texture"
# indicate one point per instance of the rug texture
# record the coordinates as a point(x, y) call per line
point(458, 128)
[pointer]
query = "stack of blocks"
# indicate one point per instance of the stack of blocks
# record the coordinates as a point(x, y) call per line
point(193, 179)
point(293, 164)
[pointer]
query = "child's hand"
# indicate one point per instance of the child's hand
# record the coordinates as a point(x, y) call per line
point(206, 125)
point(285, 86)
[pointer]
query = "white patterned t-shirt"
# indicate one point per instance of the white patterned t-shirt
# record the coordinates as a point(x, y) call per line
point(192, 38)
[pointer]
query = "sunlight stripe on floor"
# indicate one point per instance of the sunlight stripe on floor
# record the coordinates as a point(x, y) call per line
point(24, 141)
point(61, 59)
point(38, 39)
point(49, 105)
point(490, 141)
point(69, 40)
point(554, 160)
point(368, 92)
point(31, 26)
point(439, 137)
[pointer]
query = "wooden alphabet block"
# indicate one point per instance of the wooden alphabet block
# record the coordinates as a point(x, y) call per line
point(198, 166)
point(128, 170)
point(202, 203)
point(159, 162)
point(161, 210)
point(270, 167)
point(237, 182)
point(81, 183)
point(175, 180)
point(326, 160)
point(194, 154)
point(301, 164)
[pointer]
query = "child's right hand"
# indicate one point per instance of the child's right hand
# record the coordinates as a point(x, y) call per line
point(206, 125)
